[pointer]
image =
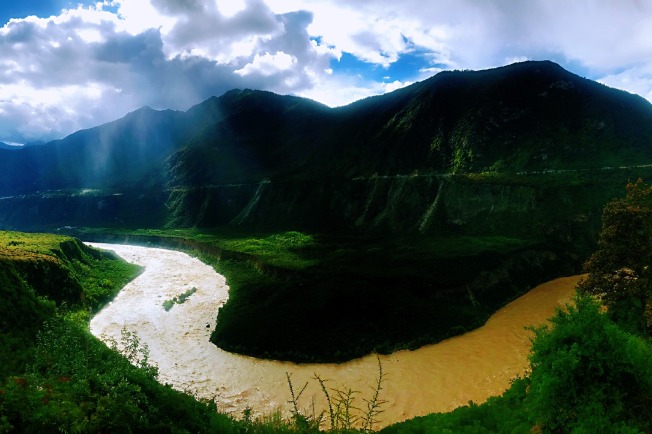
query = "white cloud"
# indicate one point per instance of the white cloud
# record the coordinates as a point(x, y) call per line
point(45, 111)
point(90, 64)
point(268, 64)
point(636, 80)
point(368, 36)
point(137, 16)
point(340, 91)
point(395, 85)
point(229, 8)
point(88, 36)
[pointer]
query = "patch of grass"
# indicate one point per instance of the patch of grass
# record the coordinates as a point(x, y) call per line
point(282, 249)
point(18, 244)
point(65, 269)
point(180, 299)
point(41, 274)
point(102, 279)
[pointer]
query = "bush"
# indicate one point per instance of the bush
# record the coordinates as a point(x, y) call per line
point(588, 375)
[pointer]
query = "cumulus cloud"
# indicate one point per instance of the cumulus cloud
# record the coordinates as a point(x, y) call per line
point(636, 80)
point(90, 65)
point(601, 37)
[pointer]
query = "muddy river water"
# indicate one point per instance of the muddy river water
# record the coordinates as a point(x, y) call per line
point(435, 378)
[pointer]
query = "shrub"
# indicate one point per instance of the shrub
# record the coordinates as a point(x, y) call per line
point(588, 375)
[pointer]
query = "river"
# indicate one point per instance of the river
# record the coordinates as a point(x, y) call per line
point(435, 378)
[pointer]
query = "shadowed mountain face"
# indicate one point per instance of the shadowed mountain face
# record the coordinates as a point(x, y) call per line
point(459, 151)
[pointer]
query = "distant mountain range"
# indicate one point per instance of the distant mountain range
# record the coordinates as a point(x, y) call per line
point(256, 158)
point(7, 147)
point(17, 147)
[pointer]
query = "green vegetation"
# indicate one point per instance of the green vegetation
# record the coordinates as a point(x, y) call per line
point(40, 273)
point(344, 412)
point(591, 370)
point(620, 267)
point(56, 377)
point(355, 290)
point(168, 304)
point(588, 376)
point(356, 295)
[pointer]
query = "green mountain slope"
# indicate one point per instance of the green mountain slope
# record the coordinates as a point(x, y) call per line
point(257, 159)
point(527, 116)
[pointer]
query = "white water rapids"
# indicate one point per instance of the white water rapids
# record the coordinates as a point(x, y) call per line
point(435, 378)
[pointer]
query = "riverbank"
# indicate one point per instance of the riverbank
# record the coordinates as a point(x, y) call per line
point(434, 378)
point(355, 290)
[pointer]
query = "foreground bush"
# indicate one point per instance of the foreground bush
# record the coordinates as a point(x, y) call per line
point(588, 375)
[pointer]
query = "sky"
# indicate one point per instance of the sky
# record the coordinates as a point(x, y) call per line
point(68, 65)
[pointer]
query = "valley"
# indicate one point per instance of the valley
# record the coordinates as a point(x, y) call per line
point(435, 378)
point(428, 226)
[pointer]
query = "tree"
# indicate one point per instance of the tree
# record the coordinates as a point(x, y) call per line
point(589, 375)
point(619, 271)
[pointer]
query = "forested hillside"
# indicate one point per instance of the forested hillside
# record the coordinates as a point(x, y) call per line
point(463, 151)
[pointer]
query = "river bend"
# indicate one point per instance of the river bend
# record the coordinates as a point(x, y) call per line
point(435, 378)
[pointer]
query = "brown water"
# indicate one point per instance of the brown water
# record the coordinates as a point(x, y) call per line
point(435, 378)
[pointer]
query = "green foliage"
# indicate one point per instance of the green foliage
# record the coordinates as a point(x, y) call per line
point(355, 298)
point(180, 299)
point(40, 273)
point(343, 414)
point(102, 279)
point(280, 249)
point(76, 384)
point(619, 270)
point(168, 304)
point(355, 290)
point(63, 269)
point(499, 415)
point(588, 375)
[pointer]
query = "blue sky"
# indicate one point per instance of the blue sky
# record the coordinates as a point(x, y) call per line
point(74, 65)
point(42, 8)
point(15, 9)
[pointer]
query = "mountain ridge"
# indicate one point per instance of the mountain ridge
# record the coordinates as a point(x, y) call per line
point(251, 157)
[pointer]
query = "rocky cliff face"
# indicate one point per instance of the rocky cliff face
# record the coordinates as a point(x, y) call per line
point(554, 210)
point(429, 205)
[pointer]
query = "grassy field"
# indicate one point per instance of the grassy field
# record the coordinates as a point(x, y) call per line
point(43, 274)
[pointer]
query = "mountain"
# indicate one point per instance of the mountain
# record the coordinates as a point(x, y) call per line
point(17, 147)
point(463, 151)
point(7, 147)
point(526, 116)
